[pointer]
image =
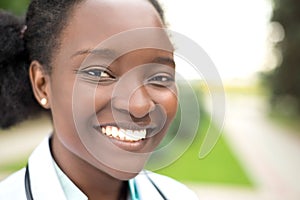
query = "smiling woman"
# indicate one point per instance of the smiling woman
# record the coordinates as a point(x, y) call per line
point(104, 71)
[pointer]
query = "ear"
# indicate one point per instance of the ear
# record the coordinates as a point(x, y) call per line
point(40, 83)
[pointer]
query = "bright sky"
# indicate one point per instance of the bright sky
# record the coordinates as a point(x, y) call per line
point(232, 32)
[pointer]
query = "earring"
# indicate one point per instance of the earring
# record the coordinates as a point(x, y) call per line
point(44, 101)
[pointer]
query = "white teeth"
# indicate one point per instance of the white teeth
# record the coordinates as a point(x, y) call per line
point(124, 134)
point(108, 131)
point(139, 134)
point(129, 133)
point(115, 131)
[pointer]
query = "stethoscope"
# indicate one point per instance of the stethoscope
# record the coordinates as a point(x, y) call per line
point(132, 186)
point(27, 185)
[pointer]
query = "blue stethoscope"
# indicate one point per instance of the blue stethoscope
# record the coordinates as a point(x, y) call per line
point(132, 187)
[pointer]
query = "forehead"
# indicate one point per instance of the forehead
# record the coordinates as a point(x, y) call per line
point(93, 21)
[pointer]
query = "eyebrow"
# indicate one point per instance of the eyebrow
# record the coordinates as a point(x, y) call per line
point(165, 61)
point(103, 52)
point(112, 54)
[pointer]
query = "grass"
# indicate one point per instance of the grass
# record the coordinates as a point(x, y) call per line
point(220, 166)
point(8, 168)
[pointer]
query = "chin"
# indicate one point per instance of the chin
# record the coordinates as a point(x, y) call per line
point(124, 176)
point(122, 170)
point(119, 174)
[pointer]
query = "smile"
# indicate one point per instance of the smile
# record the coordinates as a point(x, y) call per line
point(124, 134)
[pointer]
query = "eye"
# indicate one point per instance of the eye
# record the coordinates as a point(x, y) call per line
point(161, 80)
point(96, 74)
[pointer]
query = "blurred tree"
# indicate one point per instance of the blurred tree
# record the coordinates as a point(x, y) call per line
point(16, 6)
point(284, 80)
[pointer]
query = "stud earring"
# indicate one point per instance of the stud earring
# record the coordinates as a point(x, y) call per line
point(44, 101)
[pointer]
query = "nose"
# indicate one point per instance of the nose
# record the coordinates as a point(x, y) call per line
point(138, 103)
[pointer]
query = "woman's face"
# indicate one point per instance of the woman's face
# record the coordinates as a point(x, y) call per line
point(113, 98)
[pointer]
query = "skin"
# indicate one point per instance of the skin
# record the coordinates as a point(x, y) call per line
point(131, 94)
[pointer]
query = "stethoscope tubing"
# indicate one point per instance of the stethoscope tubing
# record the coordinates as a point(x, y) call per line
point(28, 185)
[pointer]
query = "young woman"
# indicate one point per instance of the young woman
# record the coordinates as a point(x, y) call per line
point(104, 71)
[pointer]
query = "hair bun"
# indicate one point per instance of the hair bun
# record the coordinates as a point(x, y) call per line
point(16, 97)
point(11, 43)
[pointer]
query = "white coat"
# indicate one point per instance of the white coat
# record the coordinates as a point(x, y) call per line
point(45, 184)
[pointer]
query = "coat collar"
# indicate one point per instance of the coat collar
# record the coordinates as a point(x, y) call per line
point(44, 181)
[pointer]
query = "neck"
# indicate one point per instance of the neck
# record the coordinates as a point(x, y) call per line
point(94, 183)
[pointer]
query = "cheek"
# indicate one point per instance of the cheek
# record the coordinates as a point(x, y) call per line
point(70, 107)
point(171, 104)
point(61, 109)
point(61, 101)
point(167, 99)
point(74, 113)
point(84, 102)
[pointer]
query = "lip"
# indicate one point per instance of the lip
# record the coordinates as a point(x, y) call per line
point(132, 146)
point(129, 146)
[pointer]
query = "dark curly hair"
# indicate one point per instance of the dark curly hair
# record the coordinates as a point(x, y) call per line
point(45, 20)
